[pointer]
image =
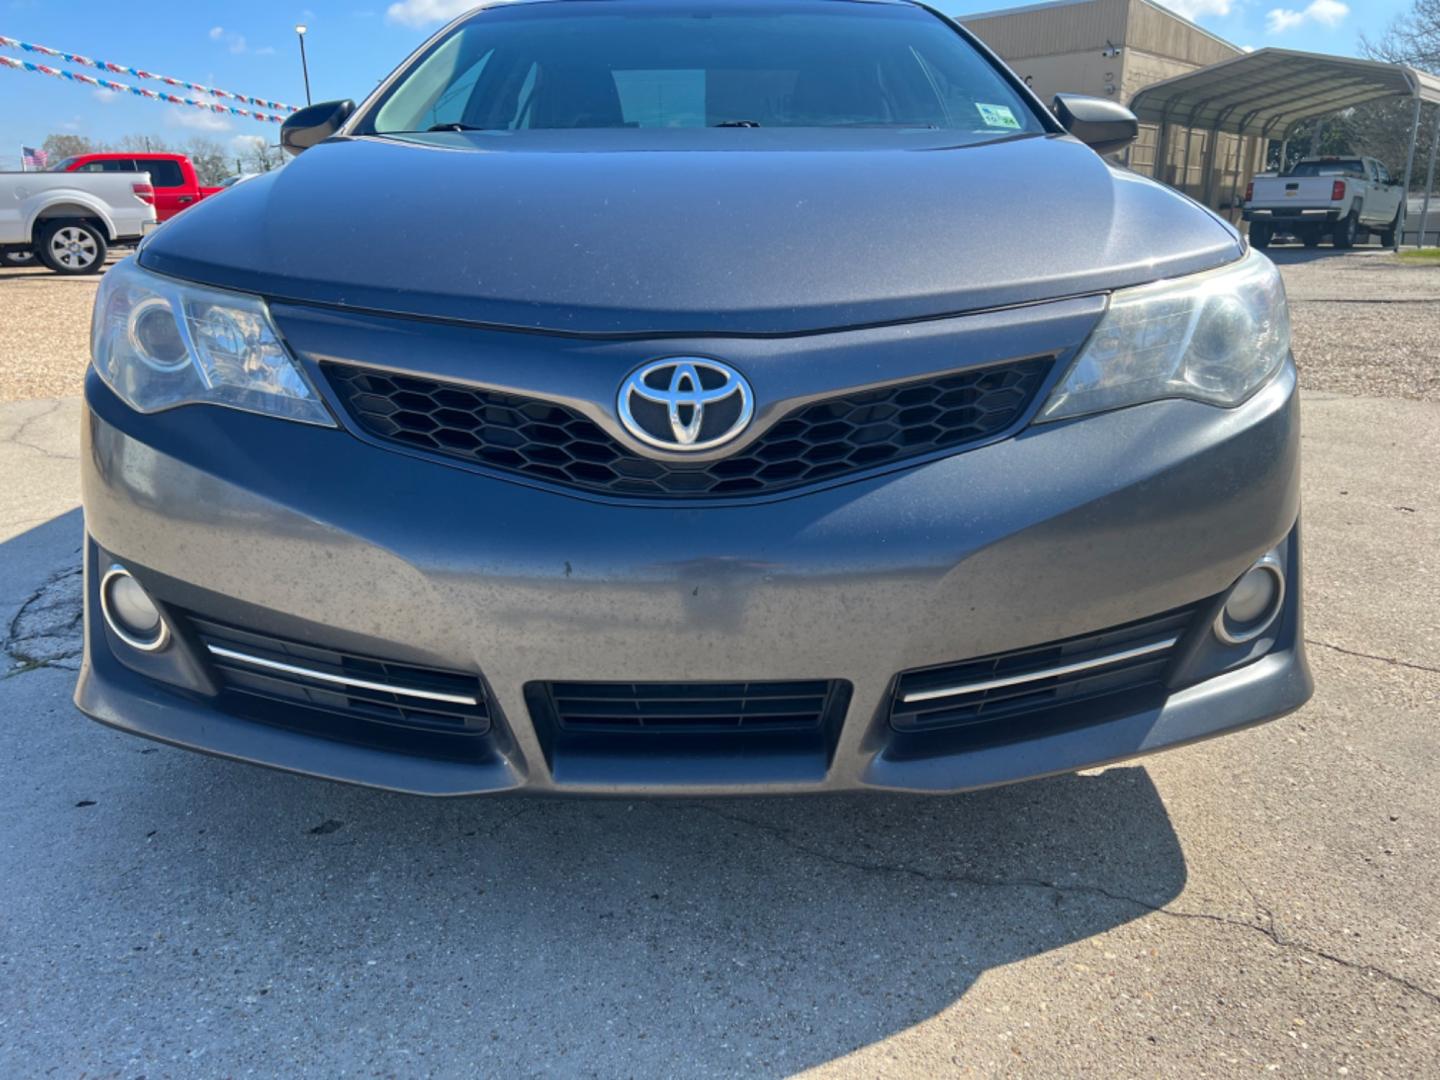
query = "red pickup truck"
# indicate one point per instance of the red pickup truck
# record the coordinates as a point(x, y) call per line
point(172, 175)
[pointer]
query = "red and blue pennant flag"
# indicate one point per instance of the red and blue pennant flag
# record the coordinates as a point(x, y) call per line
point(138, 91)
point(139, 73)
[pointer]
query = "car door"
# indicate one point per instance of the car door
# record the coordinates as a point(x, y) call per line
point(1386, 196)
point(171, 193)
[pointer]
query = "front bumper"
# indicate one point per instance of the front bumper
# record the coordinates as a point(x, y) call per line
point(312, 535)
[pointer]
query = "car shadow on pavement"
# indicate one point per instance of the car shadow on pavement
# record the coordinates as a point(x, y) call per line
point(243, 910)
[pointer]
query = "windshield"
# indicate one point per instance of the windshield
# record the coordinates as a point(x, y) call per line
point(627, 65)
point(1328, 168)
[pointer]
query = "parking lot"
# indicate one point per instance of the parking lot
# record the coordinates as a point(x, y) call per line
point(1268, 903)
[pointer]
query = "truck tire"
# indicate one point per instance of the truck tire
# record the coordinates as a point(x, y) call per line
point(1395, 230)
point(18, 259)
point(1261, 233)
point(1347, 231)
point(1311, 236)
point(72, 247)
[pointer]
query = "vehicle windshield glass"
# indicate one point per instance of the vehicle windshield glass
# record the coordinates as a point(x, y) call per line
point(1328, 168)
point(627, 65)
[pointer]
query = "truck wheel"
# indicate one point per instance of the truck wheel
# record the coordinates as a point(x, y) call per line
point(71, 247)
point(17, 259)
point(1347, 232)
point(1396, 229)
point(1261, 233)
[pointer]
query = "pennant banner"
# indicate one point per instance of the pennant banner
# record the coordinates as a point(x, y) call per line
point(139, 73)
point(138, 91)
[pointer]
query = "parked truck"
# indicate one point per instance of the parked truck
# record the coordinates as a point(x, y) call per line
point(1345, 198)
point(177, 185)
point(70, 221)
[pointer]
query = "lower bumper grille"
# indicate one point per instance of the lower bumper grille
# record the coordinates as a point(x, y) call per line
point(689, 708)
point(1009, 693)
point(358, 687)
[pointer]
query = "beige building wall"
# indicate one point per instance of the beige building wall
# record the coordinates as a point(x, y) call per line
point(1061, 47)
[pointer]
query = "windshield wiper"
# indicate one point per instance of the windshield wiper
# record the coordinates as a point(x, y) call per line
point(457, 127)
point(739, 123)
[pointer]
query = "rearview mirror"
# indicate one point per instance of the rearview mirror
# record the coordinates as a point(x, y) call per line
point(314, 124)
point(1105, 126)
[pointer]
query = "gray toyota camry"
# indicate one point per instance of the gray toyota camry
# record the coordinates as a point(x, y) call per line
point(693, 396)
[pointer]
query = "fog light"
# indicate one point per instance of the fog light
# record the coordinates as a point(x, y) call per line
point(130, 613)
point(1254, 603)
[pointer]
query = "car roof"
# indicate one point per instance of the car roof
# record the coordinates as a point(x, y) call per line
point(113, 154)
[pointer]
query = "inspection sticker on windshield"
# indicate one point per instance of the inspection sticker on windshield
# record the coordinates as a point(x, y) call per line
point(997, 116)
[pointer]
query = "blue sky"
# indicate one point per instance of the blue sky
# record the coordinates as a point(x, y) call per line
point(250, 47)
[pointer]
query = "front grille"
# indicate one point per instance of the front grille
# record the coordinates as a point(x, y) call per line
point(1009, 694)
point(689, 708)
point(360, 688)
point(820, 441)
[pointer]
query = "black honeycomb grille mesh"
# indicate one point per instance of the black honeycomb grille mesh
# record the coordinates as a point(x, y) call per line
point(820, 441)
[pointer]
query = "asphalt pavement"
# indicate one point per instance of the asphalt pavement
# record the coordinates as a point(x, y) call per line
point(1267, 903)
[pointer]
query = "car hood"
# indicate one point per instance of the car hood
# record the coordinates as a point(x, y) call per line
point(625, 232)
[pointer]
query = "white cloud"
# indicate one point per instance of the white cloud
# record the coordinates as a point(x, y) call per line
point(1329, 13)
point(423, 12)
point(1195, 9)
point(235, 41)
point(241, 145)
point(196, 120)
point(106, 97)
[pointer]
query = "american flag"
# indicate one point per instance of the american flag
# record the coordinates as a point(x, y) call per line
point(33, 158)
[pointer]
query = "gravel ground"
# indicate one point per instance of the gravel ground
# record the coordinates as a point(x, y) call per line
point(45, 327)
point(1344, 302)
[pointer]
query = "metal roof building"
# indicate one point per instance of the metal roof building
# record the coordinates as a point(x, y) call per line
point(1269, 92)
point(1207, 108)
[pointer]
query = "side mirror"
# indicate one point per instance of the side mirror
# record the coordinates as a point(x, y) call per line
point(1104, 126)
point(314, 124)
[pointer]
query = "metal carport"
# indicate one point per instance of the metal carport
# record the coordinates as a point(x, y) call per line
point(1266, 93)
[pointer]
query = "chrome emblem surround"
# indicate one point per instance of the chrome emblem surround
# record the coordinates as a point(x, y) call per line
point(680, 384)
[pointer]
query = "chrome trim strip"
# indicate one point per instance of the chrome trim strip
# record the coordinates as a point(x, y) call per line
point(1049, 673)
point(339, 680)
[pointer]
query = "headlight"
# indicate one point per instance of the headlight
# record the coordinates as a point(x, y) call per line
point(1214, 337)
point(159, 343)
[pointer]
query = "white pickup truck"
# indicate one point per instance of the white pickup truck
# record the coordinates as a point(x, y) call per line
point(69, 220)
point(1345, 198)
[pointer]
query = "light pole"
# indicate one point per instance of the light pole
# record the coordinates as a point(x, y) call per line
point(305, 67)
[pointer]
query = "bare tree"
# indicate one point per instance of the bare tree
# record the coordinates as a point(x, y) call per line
point(1412, 38)
point(139, 143)
point(61, 146)
point(1383, 128)
point(259, 156)
point(209, 158)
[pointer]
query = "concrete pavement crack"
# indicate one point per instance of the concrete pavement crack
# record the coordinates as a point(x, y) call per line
point(48, 598)
point(1371, 656)
point(17, 438)
point(1269, 931)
